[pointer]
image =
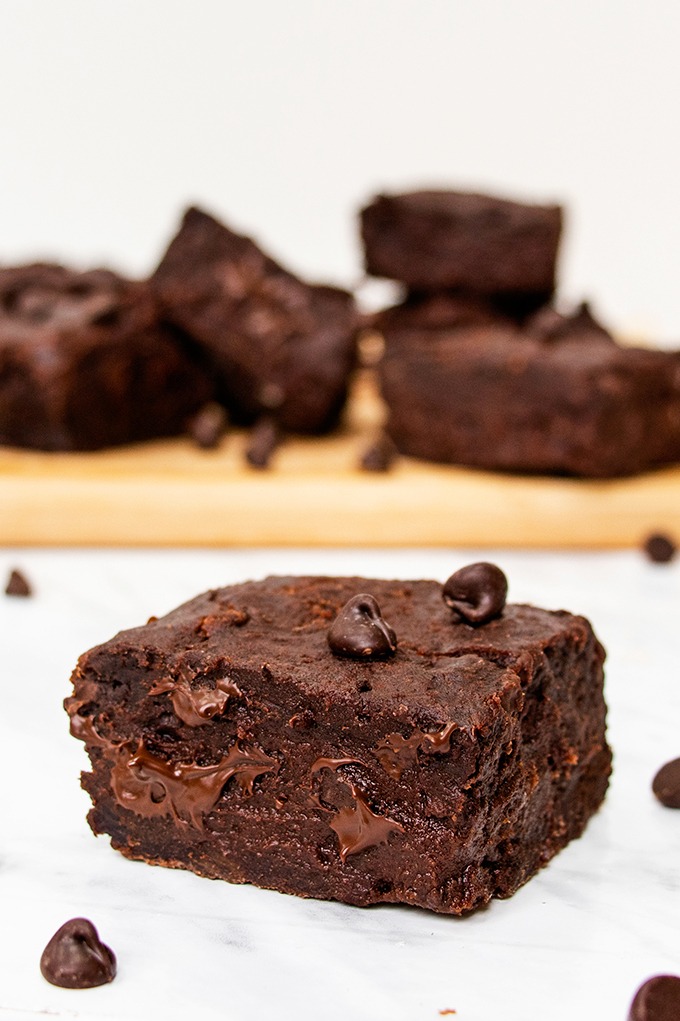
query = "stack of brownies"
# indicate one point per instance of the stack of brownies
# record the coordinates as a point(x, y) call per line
point(481, 370)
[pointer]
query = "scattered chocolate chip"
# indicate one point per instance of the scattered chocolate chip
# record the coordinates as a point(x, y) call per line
point(264, 439)
point(660, 549)
point(207, 427)
point(476, 593)
point(380, 456)
point(657, 999)
point(360, 632)
point(75, 957)
point(17, 585)
point(666, 784)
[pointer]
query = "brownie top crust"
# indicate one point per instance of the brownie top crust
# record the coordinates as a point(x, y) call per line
point(442, 669)
point(53, 305)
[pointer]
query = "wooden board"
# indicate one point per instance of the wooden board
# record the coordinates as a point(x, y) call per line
point(171, 493)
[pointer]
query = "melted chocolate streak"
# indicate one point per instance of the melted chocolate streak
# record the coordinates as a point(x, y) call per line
point(196, 706)
point(396, 753)
point(151, 787)
point(357, 827)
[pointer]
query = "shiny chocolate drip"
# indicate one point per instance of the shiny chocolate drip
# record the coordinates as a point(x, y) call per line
point(152, 787)
point(396, 753)
point(196, 706)
point(359, 828)
point(326, 763)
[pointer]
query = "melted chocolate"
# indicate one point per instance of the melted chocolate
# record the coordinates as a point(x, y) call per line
point(264, 439)
point(75, 957)
point(359, 828)
point(196, 706)
point(152, 787)
point(326, 763)
point(356, 826)
point(360, 632)
point(396, 753)
point(476, 593)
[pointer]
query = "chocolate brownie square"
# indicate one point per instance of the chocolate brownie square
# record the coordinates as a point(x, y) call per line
point(434, 240)
point(355, 739)
point(85, 363)
point(557, 396)
point(278, 346)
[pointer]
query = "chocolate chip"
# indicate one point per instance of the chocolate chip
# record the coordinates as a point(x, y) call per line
point(208, 425)
point(658, 999)
point(666, 784)
point(264, 439)
point(360, 632)
point(476, 593)
point(659, 548)
point(75, 957)
point(17, 585)
point(380, 456)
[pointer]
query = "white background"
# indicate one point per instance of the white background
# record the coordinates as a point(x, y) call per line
point(283, 116)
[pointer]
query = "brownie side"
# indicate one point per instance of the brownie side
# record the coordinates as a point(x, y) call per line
point(277, 345)
point(558, 400)
point(432, 240)
point(84, 362)
point(226, 738)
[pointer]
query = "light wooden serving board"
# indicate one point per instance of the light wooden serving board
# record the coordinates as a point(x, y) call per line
point(172, 493)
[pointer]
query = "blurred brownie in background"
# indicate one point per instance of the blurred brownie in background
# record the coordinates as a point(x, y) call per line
point(441, 240)
point(85, 363)
point(557, 395)
point(277, 346)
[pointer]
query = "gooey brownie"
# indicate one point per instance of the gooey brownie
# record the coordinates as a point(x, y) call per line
point(348, 738)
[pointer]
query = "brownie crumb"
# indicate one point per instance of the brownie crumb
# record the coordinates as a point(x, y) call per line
point(207, 427)
point(666, 784)
point(264, 439)
point(659, 548)
point(380, 456)
point(18, 585)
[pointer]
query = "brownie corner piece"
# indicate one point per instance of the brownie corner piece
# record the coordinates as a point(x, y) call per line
point(85, 362)
point(277, 345)
point(346, 738)
point(437, 239)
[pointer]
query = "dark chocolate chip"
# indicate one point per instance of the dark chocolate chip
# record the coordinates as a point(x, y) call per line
point(75, 957)
point(476, 593)
point(360, 632)
point(207, 427)
point(658, 999)
point(666, 784)
point(17, 585)
point(380, 456)
point(264, 439)
point(660, 549)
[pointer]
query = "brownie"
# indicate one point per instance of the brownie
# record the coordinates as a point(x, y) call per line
point(238, 738)
point(434, 240)
point(278, 346)
point(85, 363)
point(556, 396)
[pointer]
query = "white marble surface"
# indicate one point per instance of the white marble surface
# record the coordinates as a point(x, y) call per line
point(574, 943)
